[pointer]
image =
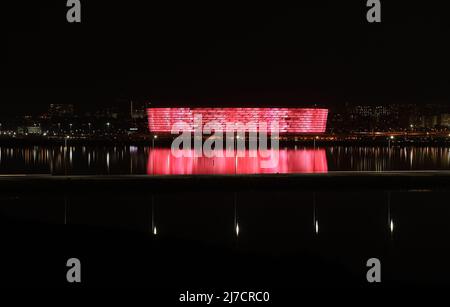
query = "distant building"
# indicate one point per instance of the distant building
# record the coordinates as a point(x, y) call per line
point(374, 111)
point(374, 117)
point(36, 130)
point(363, 111)
point(434, 121)
point(61, 110)
point(430, 116)
point(108, 112)
point(137, 111)
point(445, 120)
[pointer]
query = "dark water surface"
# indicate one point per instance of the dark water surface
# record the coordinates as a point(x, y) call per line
point(144, 160)
point(252, 238)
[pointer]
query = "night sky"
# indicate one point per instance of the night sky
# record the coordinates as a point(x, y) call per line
point(224, 53)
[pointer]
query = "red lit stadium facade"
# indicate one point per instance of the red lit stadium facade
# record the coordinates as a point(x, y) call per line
point(290, 120)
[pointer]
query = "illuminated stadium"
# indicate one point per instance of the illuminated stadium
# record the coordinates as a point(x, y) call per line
point(290, 120)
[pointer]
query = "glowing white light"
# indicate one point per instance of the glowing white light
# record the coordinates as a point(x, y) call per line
point(391, 226)
point(155, 232)
point(317, 227)
point(237, 229)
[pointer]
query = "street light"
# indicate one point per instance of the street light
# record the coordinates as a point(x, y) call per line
point(314, 141)
point(153, 141)
point(389, 141)
point(315, 218)
point(65, 141)
point(154, 229)
point(236, 152)
point(153, 153)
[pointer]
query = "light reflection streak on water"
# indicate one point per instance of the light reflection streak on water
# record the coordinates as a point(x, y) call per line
point(136, 160)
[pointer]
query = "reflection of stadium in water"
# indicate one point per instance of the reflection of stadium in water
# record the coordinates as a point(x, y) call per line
point(161, 161)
